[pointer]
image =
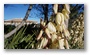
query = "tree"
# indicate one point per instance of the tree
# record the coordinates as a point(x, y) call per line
point(53, 34)
point(20, 25)
point(44, 11)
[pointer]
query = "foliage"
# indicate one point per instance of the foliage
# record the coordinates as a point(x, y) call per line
point(20, 40)
point(76, 28)
point(25, 38)
point(8, 28)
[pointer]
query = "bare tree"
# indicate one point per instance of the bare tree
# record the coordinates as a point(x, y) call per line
point(44, 11)
point(20, 25)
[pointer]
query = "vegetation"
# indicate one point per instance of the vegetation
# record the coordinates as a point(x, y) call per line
point(53, 33)
point(22, 39)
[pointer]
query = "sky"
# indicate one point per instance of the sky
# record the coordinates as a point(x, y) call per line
point(12, 11)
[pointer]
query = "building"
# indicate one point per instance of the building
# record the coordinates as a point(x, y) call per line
point(18, 21)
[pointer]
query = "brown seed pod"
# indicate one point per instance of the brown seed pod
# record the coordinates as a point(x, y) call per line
point(54, 37)
point(66, 44)
point(67, 7)
point(51, 27)
point(40, 34)
point(61, 44)
point(47, 33)
point(59, 28)
point(66, 14)
point(55, 8)
point(59, 18)
point(43, 43)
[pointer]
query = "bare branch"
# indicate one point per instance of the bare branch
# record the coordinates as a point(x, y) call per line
point(19, 26)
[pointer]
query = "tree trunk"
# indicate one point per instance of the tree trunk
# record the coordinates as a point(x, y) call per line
point(22, 23)
point(46, 13)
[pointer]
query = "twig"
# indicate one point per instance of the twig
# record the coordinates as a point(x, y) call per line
point(19, 26)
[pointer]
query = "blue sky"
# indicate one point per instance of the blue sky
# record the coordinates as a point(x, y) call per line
point(12, 11)
point(17, 11)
